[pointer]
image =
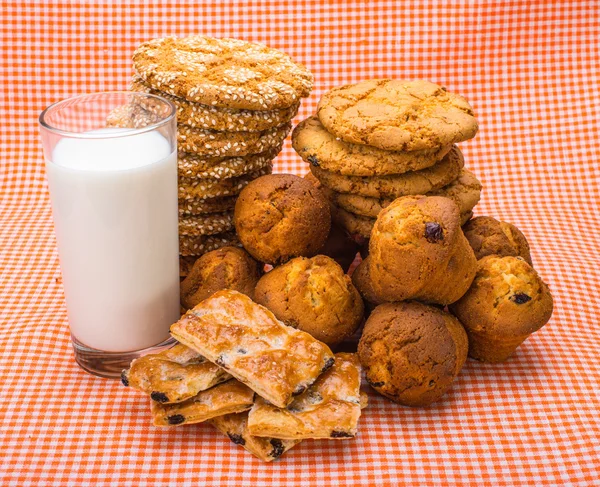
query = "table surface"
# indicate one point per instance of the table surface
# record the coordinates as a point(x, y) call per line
point(530, 69)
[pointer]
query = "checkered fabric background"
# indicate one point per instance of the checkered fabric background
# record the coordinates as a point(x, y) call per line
point(530, 69)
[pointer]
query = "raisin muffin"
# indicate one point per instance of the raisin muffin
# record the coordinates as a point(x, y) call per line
point(313, 295)
point(488, 236)
point(418, 251)
point(507, 302)
point(224, 268)
point(412, 352)
point(281, 216)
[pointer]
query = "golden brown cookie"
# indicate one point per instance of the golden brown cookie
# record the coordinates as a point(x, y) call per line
point(355, 225)
point(281, 216)
point(507, 302)
point(224, 119)
point(235, 427)
point(229, 144)
point(417, 251)
point(200, 244)
point(313, 295)
point(412, 352)
point(394, 186)
point(465, 191)
point(194, 166)
point(227, 73)
point(225, 268)
point(191, 189)
point(320, 148)
point(173, 375)
point(193, 207)
point(397, 115)
point(210, 224)
point(275, 360)
point(488, 236)
point(330, 408)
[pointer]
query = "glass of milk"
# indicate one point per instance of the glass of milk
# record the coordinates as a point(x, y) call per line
point(111, 163)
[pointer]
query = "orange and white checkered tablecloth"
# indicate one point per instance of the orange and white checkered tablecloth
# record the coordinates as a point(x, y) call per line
point(530, 69)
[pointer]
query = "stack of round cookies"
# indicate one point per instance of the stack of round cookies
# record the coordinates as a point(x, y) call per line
point(235, 101)
point(378, 140)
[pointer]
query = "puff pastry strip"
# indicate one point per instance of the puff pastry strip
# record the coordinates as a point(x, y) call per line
point(275, 360)
point(330, 408)
point(173, 375)
point(230, 397)
point(235, 426)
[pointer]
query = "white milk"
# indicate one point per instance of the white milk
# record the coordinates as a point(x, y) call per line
point(114, 203)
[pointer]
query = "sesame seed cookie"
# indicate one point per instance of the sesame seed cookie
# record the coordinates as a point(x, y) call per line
point(228, 73)
point(226, 119)
point(394, 186)
point(200, 244)
point(397, 115)
point(206, 206)
point(465, 191)
point(320, 148)
point(205, 224)
point(221, 144)
point(202, 167)
point(202, 189)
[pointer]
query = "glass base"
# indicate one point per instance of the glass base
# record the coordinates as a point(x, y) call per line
point(110, 364)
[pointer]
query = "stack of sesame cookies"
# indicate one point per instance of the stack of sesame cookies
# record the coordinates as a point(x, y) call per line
point(235, 101)
point(378, 140)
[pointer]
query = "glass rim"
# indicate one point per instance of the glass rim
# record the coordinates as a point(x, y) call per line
point(126, 133)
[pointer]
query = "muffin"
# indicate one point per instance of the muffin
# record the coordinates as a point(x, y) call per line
point(340, 247)
point(281, 216)
point(313, 295)
point(412, 352)
point(417, 251)
point(361, 279)
point(488, 236)
point(224, 268)
point(507, 302)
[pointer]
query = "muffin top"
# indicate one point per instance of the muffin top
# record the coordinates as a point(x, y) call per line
point(224, 268)
point(411, 352)
point(313, 295)
point(507, 298)
point(413, 237)
point(280, 216)
point(488, 236)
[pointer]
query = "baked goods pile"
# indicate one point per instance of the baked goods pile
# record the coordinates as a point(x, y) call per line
point(265, 385)
point(235, 101)
point(377, 140)
point(436, 285)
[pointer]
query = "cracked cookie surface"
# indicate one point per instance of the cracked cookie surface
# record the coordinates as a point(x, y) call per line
point(394, 186)
point(227, 73)
point(397, 115)
point(464, 191)
point(320, 148)
point(412, 352)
